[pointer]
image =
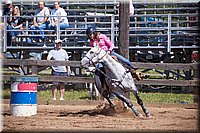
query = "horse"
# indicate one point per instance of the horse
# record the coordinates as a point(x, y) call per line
point(117, 79)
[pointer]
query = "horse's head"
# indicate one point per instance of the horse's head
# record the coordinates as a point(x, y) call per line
point(93, 56)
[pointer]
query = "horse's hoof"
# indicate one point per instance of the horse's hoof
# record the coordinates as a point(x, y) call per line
point(148, 115)
point(139, 115)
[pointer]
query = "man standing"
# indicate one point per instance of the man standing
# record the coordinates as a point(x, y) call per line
point(58, 54)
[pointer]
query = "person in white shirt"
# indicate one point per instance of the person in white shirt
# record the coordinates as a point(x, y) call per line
point(131, 7)
point(59, 54)
point(58, 15)
point(40, 20)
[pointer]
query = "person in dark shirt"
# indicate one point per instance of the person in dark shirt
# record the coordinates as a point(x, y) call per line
point(15, 26)
point(8, 8)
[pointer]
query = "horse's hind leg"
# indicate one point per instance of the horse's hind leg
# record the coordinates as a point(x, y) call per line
point(128, 102)
point(140, 102)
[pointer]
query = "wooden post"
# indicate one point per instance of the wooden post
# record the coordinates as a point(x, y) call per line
point(124, 20)
point(34, 70)
point(196, 91)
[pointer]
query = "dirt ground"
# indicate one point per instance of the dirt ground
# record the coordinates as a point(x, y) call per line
point(95, 116)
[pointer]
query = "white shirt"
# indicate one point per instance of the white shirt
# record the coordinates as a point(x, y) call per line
point(131, 8)
point(39, 13)
point(60, 12)
point(1, 12)
point(59, 55)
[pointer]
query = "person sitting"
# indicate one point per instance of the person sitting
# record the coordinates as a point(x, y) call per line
point(58, 17)
point(40, 20)
point(8, 8)
point(7, 11)
point(15, 26)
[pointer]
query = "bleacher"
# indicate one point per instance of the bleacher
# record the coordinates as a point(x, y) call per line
point(157, 30)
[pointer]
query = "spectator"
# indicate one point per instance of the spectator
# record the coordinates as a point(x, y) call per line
point(40, 20)
point(55, 19)
point(8, 9)
point(131, 7)
point(58, 14)
point(58, 54)
point(15, 25)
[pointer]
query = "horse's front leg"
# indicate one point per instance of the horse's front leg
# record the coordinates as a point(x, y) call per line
point(140, 102)
point(128, 102)
point(106, 96)
point(102, 87)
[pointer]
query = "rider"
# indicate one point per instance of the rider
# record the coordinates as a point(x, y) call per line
point(98, 39)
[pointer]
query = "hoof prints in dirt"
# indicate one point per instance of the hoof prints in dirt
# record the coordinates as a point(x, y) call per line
point(103, 109)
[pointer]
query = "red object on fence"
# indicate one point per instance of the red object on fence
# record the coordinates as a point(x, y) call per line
point(27, 87)
point(195, 56)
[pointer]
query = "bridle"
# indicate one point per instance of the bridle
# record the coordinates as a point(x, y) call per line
point(95, 54)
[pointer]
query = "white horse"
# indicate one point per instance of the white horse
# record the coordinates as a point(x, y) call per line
point(116, 79)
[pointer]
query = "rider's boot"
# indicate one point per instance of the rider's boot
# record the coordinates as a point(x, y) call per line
point(134, 74)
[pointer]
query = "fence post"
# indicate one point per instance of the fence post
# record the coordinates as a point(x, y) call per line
point(196, 91)
point(124, 22)
point(169, 33)
point(5, 35)
point(33, 70)
point(58, 28)
point(112, 28)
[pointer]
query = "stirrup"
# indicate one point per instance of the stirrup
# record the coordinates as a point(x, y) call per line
point(138, 78)
point(135, 75)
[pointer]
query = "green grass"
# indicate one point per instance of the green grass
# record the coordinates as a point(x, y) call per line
point(165, 97)
point(69, 95)
point(84, 95)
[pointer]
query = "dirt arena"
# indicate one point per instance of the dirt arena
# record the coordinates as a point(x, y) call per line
point(95, 116)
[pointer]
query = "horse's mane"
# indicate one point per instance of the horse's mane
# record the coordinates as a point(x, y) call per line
point(113, 64)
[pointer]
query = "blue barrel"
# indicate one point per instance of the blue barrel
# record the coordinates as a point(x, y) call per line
point(23, 101)
point(23, 98)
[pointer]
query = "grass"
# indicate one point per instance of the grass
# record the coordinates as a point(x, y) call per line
point(69, 95)
point(165, 97)
point(84, 95)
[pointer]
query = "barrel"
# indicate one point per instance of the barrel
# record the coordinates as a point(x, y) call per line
point(23, 101)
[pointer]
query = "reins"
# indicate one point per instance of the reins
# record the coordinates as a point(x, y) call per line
point(115, 81)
